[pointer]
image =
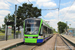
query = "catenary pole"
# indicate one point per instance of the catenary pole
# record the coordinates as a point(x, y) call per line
point(15, 21)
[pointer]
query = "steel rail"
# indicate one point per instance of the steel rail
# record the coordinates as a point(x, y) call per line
point(55, 43)
point(66, 44)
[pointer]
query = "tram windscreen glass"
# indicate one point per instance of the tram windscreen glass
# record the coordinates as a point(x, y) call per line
point(32, 26)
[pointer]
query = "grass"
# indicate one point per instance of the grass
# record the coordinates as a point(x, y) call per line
point(2, 34)
point(10, 36)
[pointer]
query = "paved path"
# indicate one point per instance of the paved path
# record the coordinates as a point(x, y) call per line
point(24, 47)
point(8, 43)
point(70, 38)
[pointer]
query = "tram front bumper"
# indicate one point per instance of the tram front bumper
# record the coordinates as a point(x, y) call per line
point(33, 40)
point(29, 40)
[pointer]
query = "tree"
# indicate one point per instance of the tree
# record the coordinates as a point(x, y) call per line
point(8, 18)
point(26, 11)
point(61, 26)
point(3, 26)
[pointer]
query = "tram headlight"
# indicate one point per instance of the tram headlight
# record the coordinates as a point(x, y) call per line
point(26, 37)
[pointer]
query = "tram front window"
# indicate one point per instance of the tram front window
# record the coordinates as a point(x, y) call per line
point(32, 26)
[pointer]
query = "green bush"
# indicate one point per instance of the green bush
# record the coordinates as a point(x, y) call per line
point(12, 32)
point(18, 32)
point(2, 34)
point(3, 31)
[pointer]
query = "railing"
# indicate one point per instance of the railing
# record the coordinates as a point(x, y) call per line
point(3, 37)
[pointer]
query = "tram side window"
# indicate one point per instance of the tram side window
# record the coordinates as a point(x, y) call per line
point(44, 29)
point(41, 33)
point(48, 30)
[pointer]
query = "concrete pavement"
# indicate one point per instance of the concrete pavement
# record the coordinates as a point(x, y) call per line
point(8, 43)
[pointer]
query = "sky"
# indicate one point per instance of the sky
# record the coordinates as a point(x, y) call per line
point(66, 10)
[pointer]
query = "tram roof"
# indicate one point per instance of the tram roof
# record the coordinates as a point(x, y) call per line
point(34, 18)
point(47, 25)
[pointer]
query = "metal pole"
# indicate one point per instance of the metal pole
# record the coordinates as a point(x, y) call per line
point(15, 21)
point(66, 26)
point(60, 29)
point(6, 32)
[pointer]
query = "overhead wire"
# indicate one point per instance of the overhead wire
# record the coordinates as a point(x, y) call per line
point(29, 1)
point(18, 1)
point(50, 9)
point(45, 9)
point(68, 9)
point(59, 9)
point(41, 9)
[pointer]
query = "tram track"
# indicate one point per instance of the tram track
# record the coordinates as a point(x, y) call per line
point(55, 42)
point(61, 44)
point(66, 44)
point(41, 44)
point(27, 46)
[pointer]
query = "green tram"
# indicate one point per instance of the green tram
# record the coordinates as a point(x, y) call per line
point(36, 30)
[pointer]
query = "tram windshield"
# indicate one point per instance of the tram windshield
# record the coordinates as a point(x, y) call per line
point(32, 26)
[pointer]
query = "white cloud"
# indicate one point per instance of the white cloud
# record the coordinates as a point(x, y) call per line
point(4, 12)
point(65, 14)
point(1, 20)
point(68, 13)
point(4, 5)
point(72, 23)
point(26, 0)
point(52, 14)
point(13, 1)
point(45, 3)
point(65, 4)
point(20, 1)
point(49, 4)
point(53, 23)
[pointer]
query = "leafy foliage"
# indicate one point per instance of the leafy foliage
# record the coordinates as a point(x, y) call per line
point(8, 18)
point(54, 31)
point(26, 11)
point(61, 26)
point(23, 12)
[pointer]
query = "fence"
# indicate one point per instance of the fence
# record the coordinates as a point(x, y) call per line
point(3, 37)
